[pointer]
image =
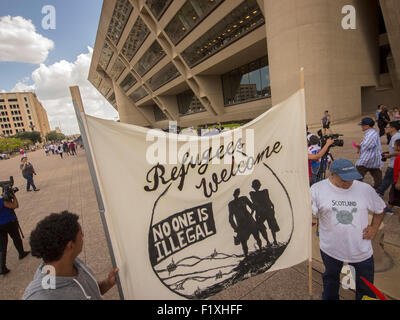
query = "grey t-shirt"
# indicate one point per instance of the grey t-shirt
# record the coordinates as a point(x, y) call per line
point(81, 287)
point(28, 168)
point(391, 148)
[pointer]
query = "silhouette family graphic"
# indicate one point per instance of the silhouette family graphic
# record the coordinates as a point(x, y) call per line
point(243, 222)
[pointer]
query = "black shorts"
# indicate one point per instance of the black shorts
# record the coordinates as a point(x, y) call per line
point(326, 126)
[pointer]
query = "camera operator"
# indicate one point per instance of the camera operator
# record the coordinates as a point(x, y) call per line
point(9, 226)
point(315, 154)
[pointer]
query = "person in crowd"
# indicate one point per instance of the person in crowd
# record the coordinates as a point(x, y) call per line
point(313, 149)
point(60, 150)
point(72, 148)
point(65, 147)
point(9, 226)
point(392, 129)
point(58, 240)
point(396, 114)
point(46, 150)
point(377, 112)
point(52, 148)
point(342, 204)
point(326, 123)
point(316, 157)
point(394, 194)
point(370, 151)
point(383, 121)
point(27, 172)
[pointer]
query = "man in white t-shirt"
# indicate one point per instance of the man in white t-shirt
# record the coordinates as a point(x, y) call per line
point(342, 204)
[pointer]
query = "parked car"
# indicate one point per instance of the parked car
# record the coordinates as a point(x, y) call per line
point(4, 156)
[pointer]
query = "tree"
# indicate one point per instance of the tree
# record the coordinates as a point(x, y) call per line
point(10, 144)
point(54, 136)
point(33, 136)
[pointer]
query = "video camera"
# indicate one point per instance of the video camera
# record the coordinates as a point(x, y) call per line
point(337, 142)
point(8, 190)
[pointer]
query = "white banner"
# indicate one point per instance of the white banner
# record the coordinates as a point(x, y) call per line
point(191, 216)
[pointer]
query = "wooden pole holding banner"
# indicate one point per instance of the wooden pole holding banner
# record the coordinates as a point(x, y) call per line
point(310, 290)
point(80, 116)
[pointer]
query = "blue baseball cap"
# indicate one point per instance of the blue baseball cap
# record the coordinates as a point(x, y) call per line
point(367, 122)
point(345, 169)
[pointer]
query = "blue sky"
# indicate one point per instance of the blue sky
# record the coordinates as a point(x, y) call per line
point(49, 61)
point(76, 28)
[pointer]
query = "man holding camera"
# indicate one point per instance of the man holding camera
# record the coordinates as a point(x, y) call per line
point(9, 226)
point(370, 152)
point(393, 130)
point(315, 153)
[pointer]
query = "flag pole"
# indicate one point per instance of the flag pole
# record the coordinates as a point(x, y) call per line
point(310, 290)
point(80, 115)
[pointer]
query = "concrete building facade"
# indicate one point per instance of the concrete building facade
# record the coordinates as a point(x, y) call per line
point(22, 112)
point(213, 61)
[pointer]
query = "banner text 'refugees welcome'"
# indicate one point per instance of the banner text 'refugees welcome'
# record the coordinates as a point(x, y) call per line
point(157, 174)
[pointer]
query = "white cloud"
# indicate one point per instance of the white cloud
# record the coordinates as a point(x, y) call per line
point(19, 41)
point(51, 85)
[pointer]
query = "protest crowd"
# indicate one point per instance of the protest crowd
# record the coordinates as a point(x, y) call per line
point(339, 198)
point(343, 199)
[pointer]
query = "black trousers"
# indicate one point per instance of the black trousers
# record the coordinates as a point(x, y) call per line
point(11, 229)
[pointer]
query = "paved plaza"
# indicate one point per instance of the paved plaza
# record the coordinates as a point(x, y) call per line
point(66, 185)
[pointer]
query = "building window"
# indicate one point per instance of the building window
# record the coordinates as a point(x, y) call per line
point(111, 99)
point(158, 7)
point(188, 103)
point(166, 74)
point(96, 81)
point(128, 82)
point(120, 16)
point(382, 25)
point(117, 69)
point(138, 94)
point(151, 57)
point(25, 99)
point(105, 89)
point(159, 115)
point(105, 56)
point(249, 82)
point(12, 100)
point(384, 53)
point(29, 117)
point(188, 17)
point(238, 23)
point(136, 37)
